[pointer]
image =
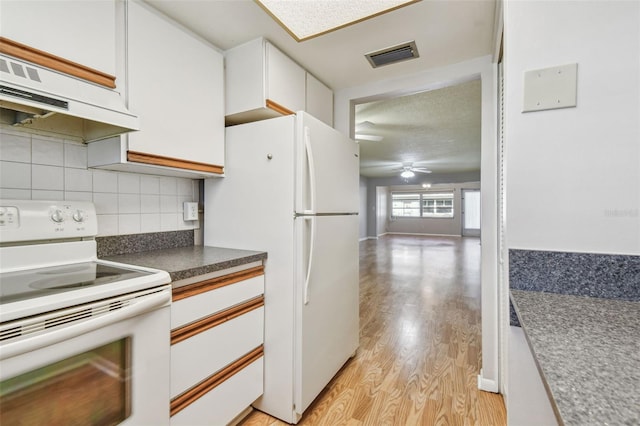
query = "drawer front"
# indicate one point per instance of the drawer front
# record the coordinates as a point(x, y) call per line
point(223, 403)
point(190, 309)
point(206, 352)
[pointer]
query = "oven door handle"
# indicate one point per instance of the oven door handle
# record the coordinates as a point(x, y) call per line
point(149, 303)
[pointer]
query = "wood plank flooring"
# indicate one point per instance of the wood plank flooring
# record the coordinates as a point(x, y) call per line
point(420, 345)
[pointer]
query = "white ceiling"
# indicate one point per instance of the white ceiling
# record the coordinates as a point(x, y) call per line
point(445, 32)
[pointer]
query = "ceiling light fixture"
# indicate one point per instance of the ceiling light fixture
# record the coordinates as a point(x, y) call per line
point(407, 174)
point(307, 19)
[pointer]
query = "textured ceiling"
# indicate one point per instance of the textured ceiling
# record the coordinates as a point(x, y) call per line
point(306, 19)
point(445, 31)
point(438, 130)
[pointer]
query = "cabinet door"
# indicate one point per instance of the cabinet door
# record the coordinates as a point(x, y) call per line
point(222, 404)
point(175, 87)
point(319, 100)
point(244, 80)
point(286, 80)
point(80, 31)
point(193, 308)
point(202, 355)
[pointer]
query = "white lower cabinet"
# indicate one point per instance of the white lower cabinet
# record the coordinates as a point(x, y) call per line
point(217, 347)
point(225, 402)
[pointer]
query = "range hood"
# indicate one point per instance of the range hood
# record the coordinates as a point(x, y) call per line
point(33, 96)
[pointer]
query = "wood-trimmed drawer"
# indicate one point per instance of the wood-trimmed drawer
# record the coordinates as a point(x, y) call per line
point(199, 300)
point(226, 400)
point(207, 346)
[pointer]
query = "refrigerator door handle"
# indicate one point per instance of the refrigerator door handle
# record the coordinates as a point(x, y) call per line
point(309, 258)
point(312, 171)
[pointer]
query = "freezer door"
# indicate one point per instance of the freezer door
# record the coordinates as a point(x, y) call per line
point(327, 168)
point(327, 307)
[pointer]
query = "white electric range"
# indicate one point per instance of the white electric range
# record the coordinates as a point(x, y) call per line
point(80, 338)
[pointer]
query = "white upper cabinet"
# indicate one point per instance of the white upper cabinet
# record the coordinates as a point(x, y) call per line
point(77, 30)
point(261, 82)
point(175, 84)
point(319, 100)
point(285, 80)
point(176, 88)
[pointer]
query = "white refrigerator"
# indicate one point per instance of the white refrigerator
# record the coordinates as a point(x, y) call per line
point(291, 189)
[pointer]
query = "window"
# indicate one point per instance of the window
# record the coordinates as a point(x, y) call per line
point(405, 205)
point(422, 204)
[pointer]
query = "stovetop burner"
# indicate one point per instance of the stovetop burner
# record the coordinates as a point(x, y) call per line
point(22, 285)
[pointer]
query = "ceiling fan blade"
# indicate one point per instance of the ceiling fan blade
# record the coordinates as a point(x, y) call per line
point(372, 138)
point(421, 171)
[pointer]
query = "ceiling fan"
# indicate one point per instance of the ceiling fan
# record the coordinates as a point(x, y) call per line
point(409, 171)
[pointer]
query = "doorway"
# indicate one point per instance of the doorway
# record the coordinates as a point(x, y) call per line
point(471, 209)
point(345, 112)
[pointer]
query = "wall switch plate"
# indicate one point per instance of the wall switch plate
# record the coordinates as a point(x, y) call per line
point(190, 211)
point(550, 88)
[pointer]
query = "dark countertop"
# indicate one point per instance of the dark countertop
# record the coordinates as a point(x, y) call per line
point(186, 262)
point(588, 353)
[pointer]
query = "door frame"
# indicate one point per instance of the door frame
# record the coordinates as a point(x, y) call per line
point(490, 377)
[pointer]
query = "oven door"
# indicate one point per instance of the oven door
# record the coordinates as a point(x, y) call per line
point(107, 364)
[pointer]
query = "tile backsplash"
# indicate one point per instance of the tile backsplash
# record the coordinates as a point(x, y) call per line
point(48, 168)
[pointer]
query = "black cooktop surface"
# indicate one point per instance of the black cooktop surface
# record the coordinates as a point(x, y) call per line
point(28, 284)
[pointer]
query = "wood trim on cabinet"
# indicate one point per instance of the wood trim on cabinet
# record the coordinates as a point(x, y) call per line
point(214, 283)
point(184, 332)
point(185, 399)
point(56, 63)
point(278, 108)
point(159, 160)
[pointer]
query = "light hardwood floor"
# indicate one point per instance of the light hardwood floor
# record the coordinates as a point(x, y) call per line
point(420, 352)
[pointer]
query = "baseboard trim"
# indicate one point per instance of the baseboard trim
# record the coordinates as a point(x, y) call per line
point(425, 235)
point(487, 385)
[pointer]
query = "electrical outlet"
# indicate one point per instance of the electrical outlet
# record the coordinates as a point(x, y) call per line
point(190, 211)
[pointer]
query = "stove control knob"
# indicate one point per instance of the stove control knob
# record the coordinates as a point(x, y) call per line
point(57, 216)
point(79, 216)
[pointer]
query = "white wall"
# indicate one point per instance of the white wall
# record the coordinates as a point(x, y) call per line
point(38, 167)
point(432, 79)
point(573, 175)
point(382, 210)
point(363, 208)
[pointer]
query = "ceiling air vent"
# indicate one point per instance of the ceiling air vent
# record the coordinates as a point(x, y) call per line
point(391, 55)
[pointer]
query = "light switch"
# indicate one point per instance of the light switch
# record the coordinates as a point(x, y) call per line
point(550, 88)
point(190, 211)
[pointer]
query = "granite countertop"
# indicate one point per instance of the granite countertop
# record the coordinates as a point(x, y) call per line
point(186, 262)
point(588, 353)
